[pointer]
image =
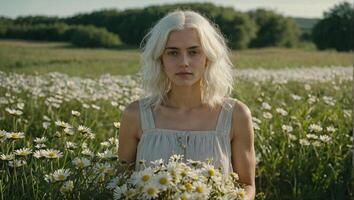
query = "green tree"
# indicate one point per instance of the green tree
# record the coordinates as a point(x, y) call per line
point(336, 29)
point(237, 27)
point(274, 29)
point(91, 36)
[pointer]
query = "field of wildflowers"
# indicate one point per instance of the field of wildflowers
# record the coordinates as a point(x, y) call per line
point(58, 133)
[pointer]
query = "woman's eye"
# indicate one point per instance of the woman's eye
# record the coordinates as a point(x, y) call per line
point(193, 52)
point(172, 53)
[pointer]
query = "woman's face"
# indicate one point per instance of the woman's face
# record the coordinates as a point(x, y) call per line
point(183, 59)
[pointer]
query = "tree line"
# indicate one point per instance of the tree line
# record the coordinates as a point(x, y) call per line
point(253, 29)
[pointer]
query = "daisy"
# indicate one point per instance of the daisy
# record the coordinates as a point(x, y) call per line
point(62, 124)
point(266, 106)
point(162, 180)
point(84, 129)
point(104, 168)
point(325, 138)
point(40, 146)
point(95, 107)
point(282, 112)
point(304, 142)
point(330, 129)
point(118, 192)
point(201, 190)
point(267, 115)
point(17, 163)
point(40, 140)
point(58, 175)
point(150, 191)
point(70, 145)
point(296, 97)
point(85, 105)
point(14, 111)
point(20, 106)
point(75, 113)
point(39, 153)
point(45, 125)
point(116, 124)
point(142, 177)
point(23, 152)
point(108, 154)
point(15, 135)
point(46, 118)
point(114, 103)
point(87, 152)
point(7, 156)
point(113, 183)
point(105, 144)
point(67, 187)
point(287, 128)
point(183, 196)
point(312, 136)
point(114, 141)
point(52, 153)
point(256, 120)
point(81, 163)
point(68, 131)
point(292, 137)
point(315, 128)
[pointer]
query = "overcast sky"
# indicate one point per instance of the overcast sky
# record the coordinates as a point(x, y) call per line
point(63, 8)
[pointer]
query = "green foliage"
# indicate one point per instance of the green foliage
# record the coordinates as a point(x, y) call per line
point(274, 29)
point(258, 28)
point(33, 20)
point(90, 36)
point(336, 30)
point(132, 24)
point(238, 28)
point(83, 36)
point(48, 32)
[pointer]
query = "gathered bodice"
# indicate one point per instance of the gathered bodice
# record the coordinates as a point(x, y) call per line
point(158, 143)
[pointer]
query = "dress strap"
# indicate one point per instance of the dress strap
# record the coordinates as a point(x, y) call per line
point(225, 116)
point(146, 117)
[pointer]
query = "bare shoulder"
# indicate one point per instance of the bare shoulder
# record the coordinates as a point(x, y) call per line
point(132, 110)
point(130, 122)
point(241, 110)
point(241, 120)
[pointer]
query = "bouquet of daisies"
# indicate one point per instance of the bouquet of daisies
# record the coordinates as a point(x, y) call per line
point(177, 180)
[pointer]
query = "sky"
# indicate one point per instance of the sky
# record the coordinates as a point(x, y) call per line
point(64, 8)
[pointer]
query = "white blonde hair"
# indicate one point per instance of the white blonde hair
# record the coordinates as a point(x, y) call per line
point(217, 82)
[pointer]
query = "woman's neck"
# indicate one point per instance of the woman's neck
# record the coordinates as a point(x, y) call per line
point(184, 98)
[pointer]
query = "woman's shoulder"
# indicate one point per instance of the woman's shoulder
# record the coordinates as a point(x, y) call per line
point(240, 109)
point(131, 112)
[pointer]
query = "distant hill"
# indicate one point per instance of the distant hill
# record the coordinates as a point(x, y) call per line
point(305, 24)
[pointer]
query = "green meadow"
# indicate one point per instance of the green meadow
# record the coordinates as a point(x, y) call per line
point(43, 57)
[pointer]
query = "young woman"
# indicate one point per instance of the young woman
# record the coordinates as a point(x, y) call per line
point(187, 79)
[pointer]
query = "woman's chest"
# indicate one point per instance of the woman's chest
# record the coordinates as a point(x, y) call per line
point(203, 120)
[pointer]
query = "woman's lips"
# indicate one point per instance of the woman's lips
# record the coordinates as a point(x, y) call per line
point(184, 73)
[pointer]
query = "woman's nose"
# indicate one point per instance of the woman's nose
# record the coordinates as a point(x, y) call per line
point(184, 60)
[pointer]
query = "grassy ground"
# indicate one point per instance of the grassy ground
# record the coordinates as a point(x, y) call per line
point(43, 57)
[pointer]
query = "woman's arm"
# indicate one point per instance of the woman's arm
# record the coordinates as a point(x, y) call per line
point(128, 133)
point(242, 148)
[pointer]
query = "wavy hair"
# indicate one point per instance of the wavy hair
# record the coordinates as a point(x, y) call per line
point(217, 81)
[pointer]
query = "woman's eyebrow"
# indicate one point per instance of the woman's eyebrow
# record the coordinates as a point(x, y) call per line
point(176, 48)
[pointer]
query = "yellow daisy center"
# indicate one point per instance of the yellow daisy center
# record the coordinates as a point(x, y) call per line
point(211, 172)
point(145, 177)
point(163, 181)
point(188, 186)
point(199, 189)
point(151, 191)
point(61, 177)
